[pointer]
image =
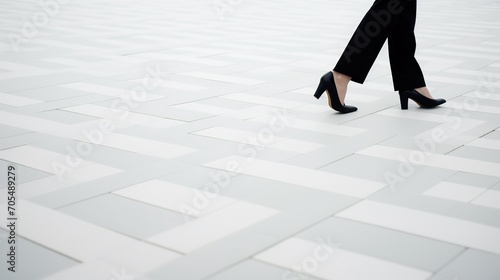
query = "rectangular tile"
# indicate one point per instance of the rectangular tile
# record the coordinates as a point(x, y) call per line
point(449, 80)
point(321, 127)
point(107, 90)
point(252, 139)
point(478, 108)
point(184, 58)
point(117, 115)
point(490, 198)
point(454, 191)
point(450, 130)
point(259, 58)
point(314, 179)
point(126, 216)
point(44, 185)
point(32, 254)
point(382, 243)
point(88, 270)
point(203, 108)
point(59, 231)
point(251, 112)
point(164, 123)
point(447, 229)
point(485, 143)
point(217, 225)
point(252, 269)
point(142, 146)
point(17, 101)
point(263, 100)
point(185, 200)
point(473, 73)
point(181, 86)
point(17, 67)
point(486, 96)
point(22, 74)
point(169, 84)
point(462, 54)
point(37, 124)
point(68, 62)
point(328, 262)
point(140, 258)
point(414, 115)
point(52, 163)
point(472, 264)
point(434, 160)
point(223, 78)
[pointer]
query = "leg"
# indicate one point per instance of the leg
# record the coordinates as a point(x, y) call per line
point(368, 39)
point(406, 72)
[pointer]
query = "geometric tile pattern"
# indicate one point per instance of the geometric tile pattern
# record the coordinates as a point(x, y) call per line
point(180, 140)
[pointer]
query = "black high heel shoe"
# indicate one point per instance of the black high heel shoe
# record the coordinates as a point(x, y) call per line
point(327, 83)
point(420, 99)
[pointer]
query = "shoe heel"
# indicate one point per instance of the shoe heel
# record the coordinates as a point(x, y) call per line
point(403, 98)
point(321, 89)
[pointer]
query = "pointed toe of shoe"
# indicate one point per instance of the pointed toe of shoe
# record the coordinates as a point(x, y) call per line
point(436, 103)
point(348, 109)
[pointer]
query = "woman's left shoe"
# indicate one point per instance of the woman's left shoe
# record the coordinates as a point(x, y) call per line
point(327, 83)
point(420, 99)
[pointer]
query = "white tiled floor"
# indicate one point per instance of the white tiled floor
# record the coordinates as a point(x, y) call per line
point(220, 164)
point(334, 263)
point(453, 191)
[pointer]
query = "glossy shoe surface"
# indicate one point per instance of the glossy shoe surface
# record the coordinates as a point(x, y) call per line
point(420, 99)
point(327, 83)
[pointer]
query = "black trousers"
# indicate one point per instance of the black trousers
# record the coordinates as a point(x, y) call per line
point(387, 19)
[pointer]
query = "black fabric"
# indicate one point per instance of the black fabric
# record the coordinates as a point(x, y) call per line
point(387, 19)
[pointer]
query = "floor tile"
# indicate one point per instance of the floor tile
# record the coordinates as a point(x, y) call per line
point(335, 262)
point(202, 231)
point(429, 225)
point(261, 138)
point(472, 264)
point(404, 248)
point(93, 241)
point(300, 176)
point(218, 147)
point(30, 267)
point(127, 216)
point(453, 191)
point(435, 160)
point(253, 269)
point(183, 200)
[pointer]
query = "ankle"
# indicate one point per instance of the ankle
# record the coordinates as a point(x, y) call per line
point(424, 91)
point(341, 77)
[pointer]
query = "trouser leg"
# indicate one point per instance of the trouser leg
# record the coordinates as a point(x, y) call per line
point(369, 37)
point(406, 73)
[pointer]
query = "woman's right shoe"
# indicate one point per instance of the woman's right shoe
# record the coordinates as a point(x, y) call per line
point(420, 99)
point(327, 83)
